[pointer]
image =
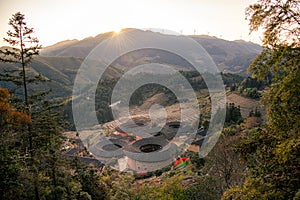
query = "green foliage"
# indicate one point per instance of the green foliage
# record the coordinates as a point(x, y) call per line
point(11, 123)
point(117, 186)
point(229, 131)
point(272, 154)
point(233, 114)
point(279, 19)
point(207, 188)
point(282, 100)
point(205, 125)
point(195, 160)
point(56, 177)
point(256, 113)
point(252, 83)
point(250, 86)
point(231, 80)
point(31, 160)
point(272, 166)
point(10, 170)
point(169, 190)
point(91, 184)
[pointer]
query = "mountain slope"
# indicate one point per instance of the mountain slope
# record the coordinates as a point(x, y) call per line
point(60, 70)
point(75, 48)
point(229, 56)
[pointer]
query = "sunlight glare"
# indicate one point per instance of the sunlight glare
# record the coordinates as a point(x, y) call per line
point(117, 30)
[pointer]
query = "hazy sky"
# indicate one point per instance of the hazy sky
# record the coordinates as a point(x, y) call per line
point(57, 20)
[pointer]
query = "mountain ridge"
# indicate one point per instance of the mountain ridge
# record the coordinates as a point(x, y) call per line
point(229, 56)
point(61, 61)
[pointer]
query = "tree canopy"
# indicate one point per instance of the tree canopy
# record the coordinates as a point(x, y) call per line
point(279, 19)
point(272, 153)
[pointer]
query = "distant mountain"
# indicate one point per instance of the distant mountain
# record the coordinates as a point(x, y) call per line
point(61, 71)
point(229, 56)
point(60, 62)
point(75, 48)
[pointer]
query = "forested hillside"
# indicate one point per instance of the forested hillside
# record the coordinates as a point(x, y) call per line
point(256, 156)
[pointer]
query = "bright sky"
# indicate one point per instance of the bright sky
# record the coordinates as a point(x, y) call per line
point(57, 20)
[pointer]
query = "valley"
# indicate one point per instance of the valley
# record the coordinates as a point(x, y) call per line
point(152, 114)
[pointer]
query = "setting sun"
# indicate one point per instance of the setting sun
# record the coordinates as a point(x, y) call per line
point(117, 30)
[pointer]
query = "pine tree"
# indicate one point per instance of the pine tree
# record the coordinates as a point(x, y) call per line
point(22, 48)
point(21, 54)
point(43, 171)
point(21, 51)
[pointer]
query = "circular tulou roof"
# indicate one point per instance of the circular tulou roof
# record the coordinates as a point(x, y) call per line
point(108, 148)
point(129, 125)
point(167, 150)
point(152, 140)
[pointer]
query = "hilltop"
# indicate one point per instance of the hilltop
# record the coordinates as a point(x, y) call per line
point(60, 62)
point(229, 56)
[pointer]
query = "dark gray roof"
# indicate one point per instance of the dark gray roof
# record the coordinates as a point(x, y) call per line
point(115, 136)
point(152, 140)
point(116, 144)
point(198, 142)
point(201, 132)
point(128, 125)
point(79, 142)
point(72, 151)
point(171, 129)
point(169, 151)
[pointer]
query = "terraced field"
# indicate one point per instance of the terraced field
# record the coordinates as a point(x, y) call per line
point(246, 104)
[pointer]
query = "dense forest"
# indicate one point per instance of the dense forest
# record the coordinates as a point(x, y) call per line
point(256, 157)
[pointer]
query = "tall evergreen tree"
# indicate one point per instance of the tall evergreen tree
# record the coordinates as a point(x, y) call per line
point(22, 47)
point(41, 174)
point(21, 50)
